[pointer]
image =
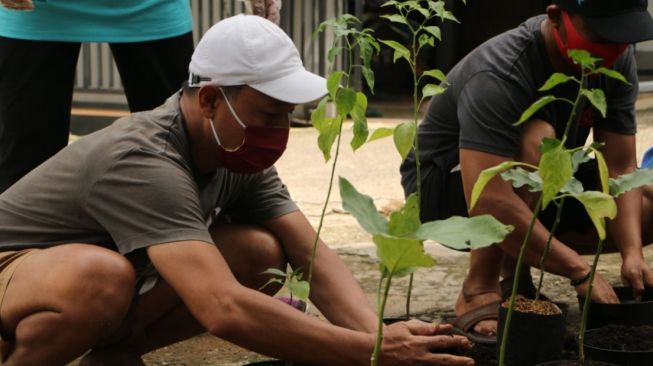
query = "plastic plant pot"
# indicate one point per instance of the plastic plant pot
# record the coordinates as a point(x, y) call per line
point(628, 312)
point(532, 338)
point(620, 357)
point(575, 363)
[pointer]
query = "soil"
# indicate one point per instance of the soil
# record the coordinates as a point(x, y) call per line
point(623, 338)
point(529, 306)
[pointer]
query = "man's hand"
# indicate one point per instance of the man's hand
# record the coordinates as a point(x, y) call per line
point(636, 274)
point(601, 292)
point(418, 343)
point(270, 9)
point(17, 4)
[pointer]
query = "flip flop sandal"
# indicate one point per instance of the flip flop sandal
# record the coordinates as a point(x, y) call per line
point(464, 324)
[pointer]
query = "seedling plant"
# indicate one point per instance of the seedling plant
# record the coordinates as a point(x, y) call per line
point(554, 178)
point(423, 35)
point(400, 239)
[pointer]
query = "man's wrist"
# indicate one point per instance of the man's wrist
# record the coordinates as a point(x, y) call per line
point(581, 280)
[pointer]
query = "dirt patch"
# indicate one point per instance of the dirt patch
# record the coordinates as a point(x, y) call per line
point(529, 306)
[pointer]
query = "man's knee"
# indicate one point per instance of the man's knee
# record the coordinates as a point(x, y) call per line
point(249, 251)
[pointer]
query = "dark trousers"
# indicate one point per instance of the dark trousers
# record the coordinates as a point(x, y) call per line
point(36, 87)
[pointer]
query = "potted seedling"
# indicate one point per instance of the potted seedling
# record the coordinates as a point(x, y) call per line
point(400, 239)
point(422, 35)
point(554, 178)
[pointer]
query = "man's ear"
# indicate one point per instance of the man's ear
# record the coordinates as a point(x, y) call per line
point(555, 15)
point(209, 97)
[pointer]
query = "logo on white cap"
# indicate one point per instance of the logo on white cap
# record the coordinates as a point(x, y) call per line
point(251, 50)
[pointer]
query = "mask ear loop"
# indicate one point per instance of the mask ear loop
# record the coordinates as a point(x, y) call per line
point(233, 113)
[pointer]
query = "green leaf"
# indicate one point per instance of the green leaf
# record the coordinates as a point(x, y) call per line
point(597, 98)
point(275, 272)
point(362, 208)
point(598, 206)
point(391, 2)
point(604, 175)
point(534, 108)
point(299, 289)
point(360, 121)
point(626, 182)
point(368, 74)
point(465, 232)
point(437, 74)
point(329, 129)
point(404, 135)
point(405, 222)
point(319, 113)
point(555, 170)
point(400, 50)
point(333, 53)
point(435, 31)
point(554, 80)
point(521, 177)
point(548, 144)
point(401, 255)
point(577, 158)
point(395, 18)
point(582, 58)
point(333, 83)
point(574, 186)
point(431, 90)
point(345, 101)
point(612, 74)
point(486, 175)
point(425, 39)
point(380, 133)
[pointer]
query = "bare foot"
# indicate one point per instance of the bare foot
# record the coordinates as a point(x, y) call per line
point(467, 303)
point(111, 357)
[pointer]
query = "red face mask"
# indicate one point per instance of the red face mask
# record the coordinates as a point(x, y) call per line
point(260, 149)
point(609, 52)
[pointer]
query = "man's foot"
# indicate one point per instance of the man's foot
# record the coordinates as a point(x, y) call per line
point(468, 303)
point(111, 357)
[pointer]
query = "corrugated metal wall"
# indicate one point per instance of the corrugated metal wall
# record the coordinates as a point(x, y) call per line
point(97, 78)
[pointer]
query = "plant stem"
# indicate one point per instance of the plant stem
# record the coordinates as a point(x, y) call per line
point(515, 283)
point(326, 202)
point(333, 172)
point(418, 176)
point(408, 295)
point(586, 306)
point(548, 247)
point(573, 109)
point(374, 360)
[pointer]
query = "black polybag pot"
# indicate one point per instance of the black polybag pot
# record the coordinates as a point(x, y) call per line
point(273, 363)
point(628, 312)
point(618, 357)
point(567, 362)
point(532, 338)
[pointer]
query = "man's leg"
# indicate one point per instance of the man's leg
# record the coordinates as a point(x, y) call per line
point(481, 286)
point(60, 301)
point(159, 318)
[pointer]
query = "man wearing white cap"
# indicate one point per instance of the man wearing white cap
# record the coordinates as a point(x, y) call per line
point(157, 228)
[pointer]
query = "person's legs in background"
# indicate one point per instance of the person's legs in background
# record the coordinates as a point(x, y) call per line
point(152, 71)
point(36, 86)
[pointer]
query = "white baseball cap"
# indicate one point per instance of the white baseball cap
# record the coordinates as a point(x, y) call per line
point(251, 50)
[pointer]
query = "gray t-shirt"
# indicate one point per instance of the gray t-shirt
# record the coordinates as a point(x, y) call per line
point(132, 185)
point(493, 85)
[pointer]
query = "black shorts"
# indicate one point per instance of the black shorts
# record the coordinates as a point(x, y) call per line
point(443, 197)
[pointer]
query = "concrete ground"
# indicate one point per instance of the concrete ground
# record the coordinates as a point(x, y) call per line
point(374, 171)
